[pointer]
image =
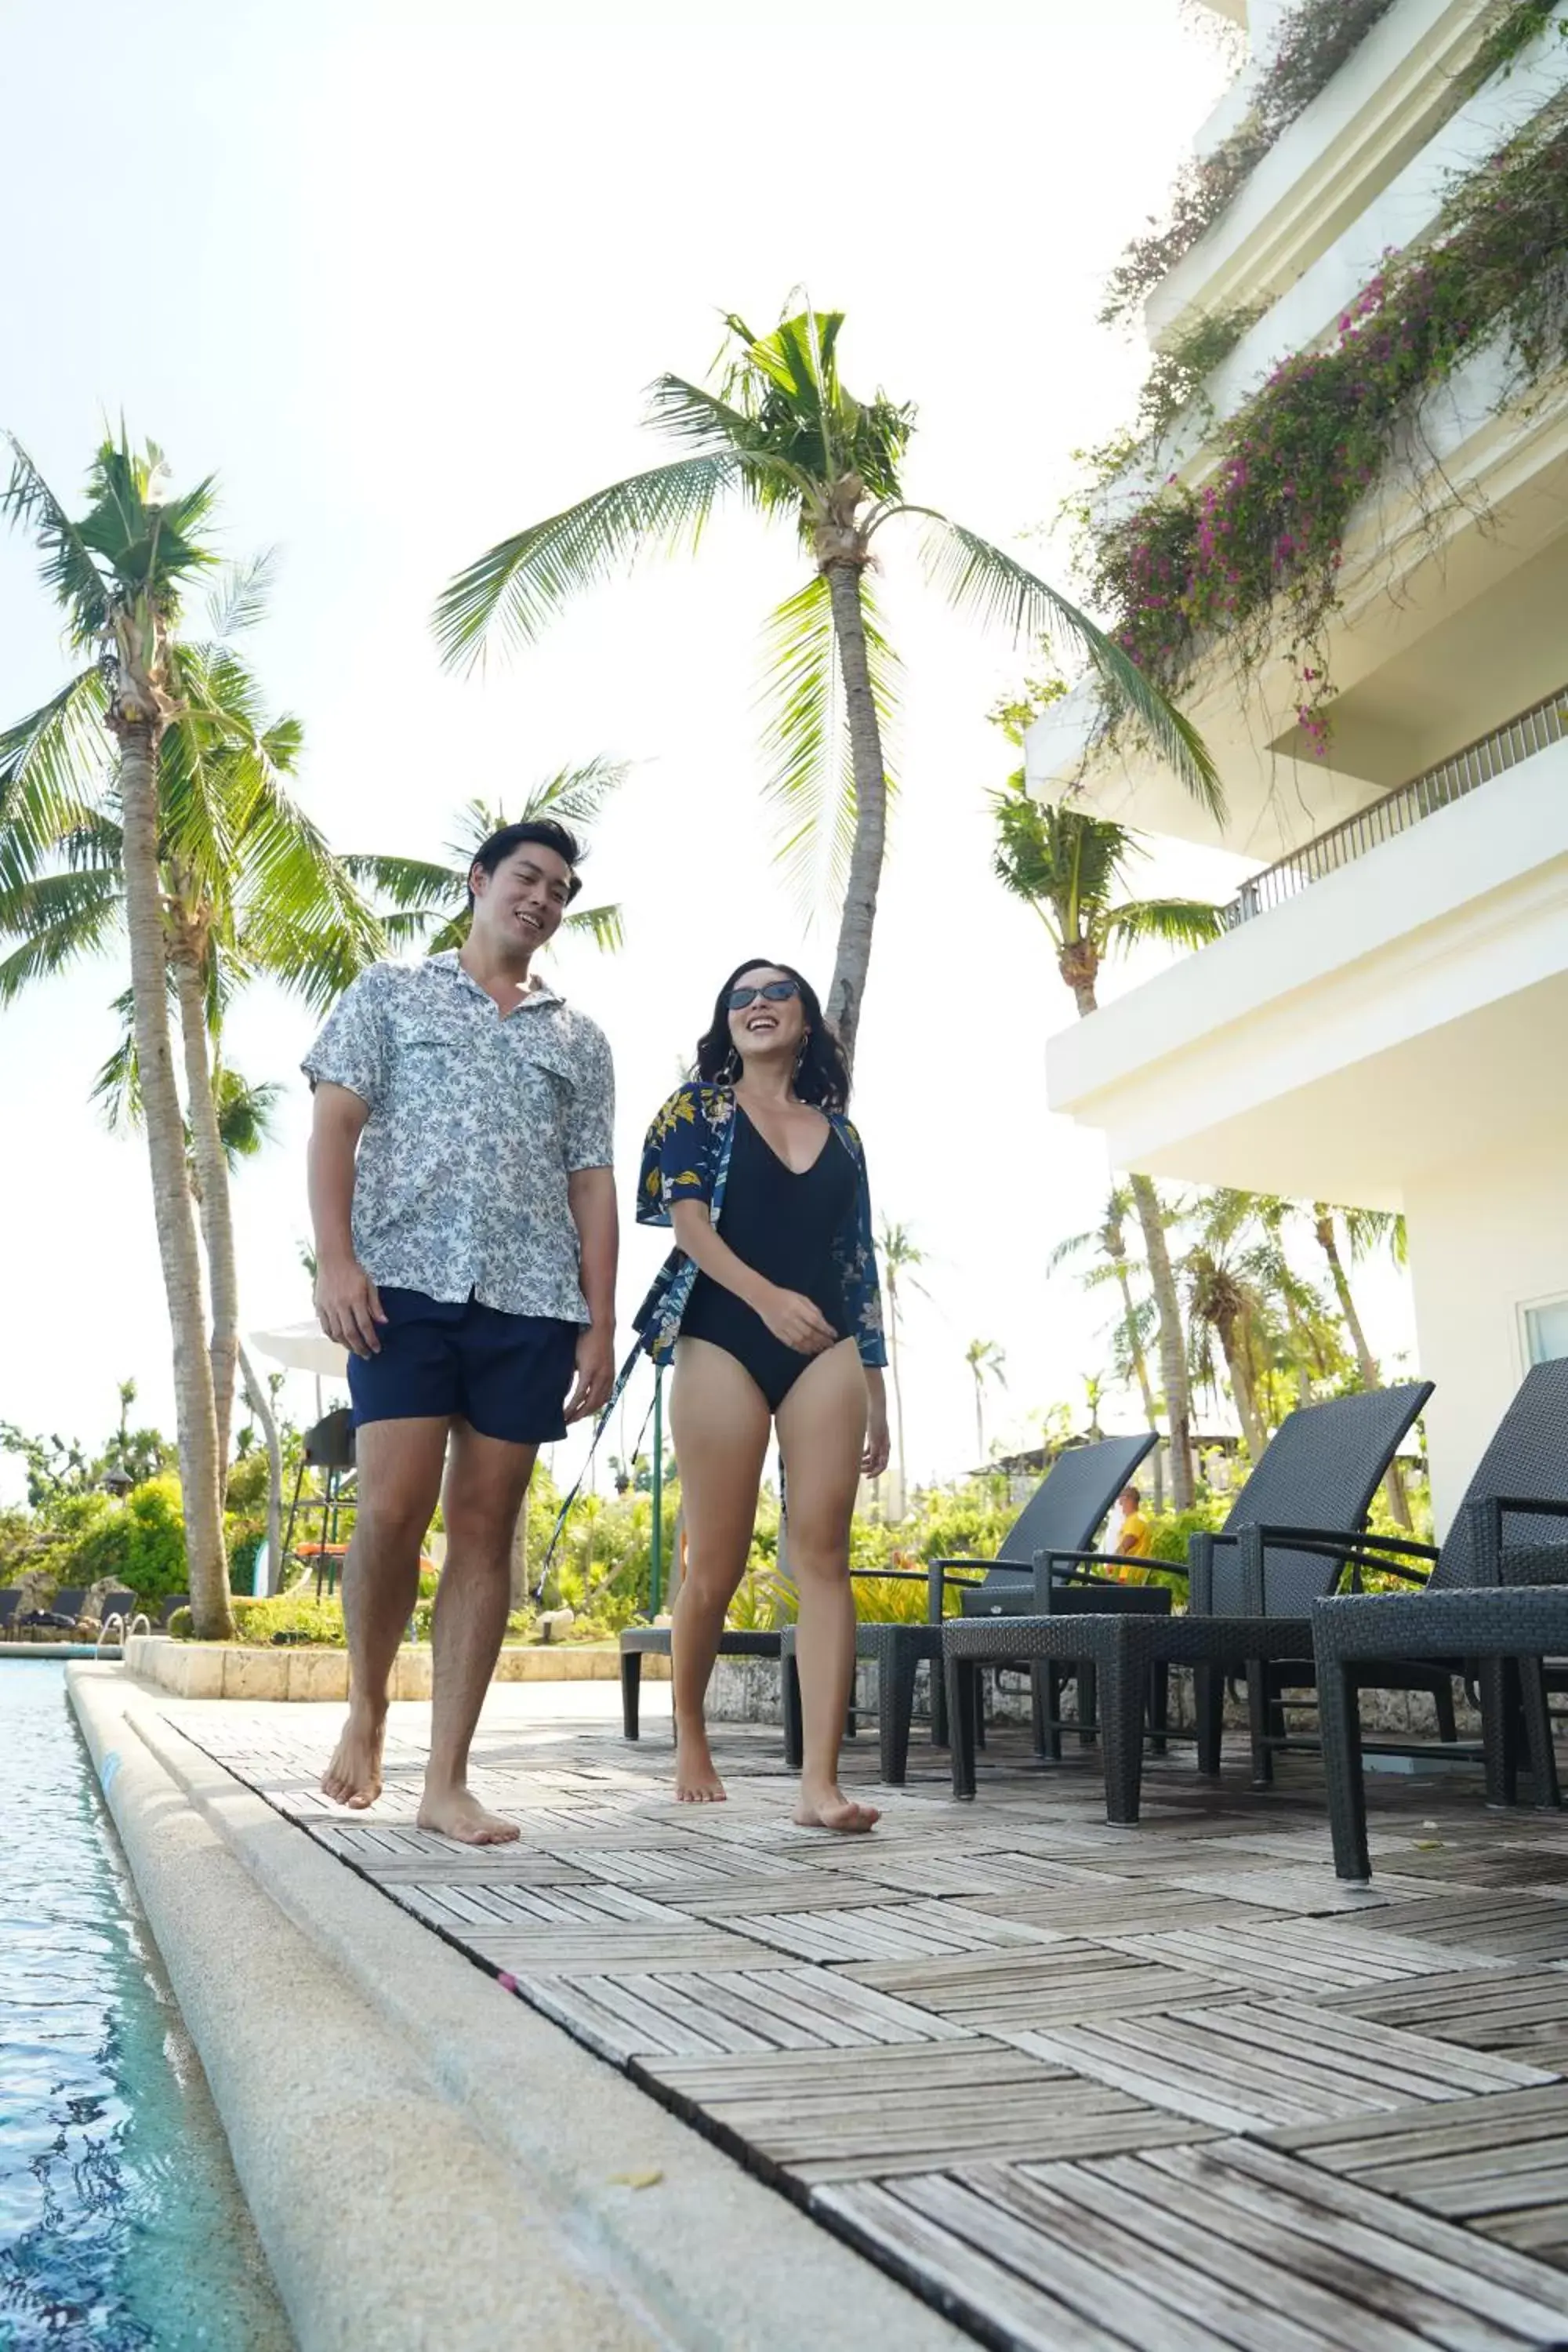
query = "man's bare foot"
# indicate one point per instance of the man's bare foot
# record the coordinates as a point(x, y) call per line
point(697, 1781)
point(454, 1814)
point(829, 1808)
point(353, 1776)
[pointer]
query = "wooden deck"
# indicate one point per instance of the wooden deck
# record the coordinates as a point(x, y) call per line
point(1089, 2089)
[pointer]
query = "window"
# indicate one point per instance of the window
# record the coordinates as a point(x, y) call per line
point(1546, 1330)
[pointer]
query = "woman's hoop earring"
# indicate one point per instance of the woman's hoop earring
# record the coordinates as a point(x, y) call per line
point(732, 1069)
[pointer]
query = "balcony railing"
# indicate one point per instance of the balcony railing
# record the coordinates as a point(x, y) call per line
point(1396, 812)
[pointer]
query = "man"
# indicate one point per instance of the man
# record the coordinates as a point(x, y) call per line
point(464, 1205)
point(1135, 1539)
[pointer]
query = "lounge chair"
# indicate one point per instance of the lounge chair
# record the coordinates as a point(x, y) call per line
point(1320, 1470)
point(1492, 1541)
point(1066, 1508)
point(1504, 1632)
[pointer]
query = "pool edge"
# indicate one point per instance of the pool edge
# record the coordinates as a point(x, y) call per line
point(535, 2138)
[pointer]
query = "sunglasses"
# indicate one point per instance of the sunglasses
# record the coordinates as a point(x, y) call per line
point(777, 991)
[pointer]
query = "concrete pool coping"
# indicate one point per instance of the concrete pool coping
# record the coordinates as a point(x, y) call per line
point(307, 1672)
point(109, 1652)
point(429, 2162)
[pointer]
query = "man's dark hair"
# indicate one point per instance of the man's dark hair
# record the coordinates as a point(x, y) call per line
point(546, 833)
point(1137, 1498)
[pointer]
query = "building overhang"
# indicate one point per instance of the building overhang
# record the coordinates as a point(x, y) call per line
point(1336, 1045)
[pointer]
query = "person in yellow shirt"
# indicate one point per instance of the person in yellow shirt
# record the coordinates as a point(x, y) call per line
point(1134, 1537)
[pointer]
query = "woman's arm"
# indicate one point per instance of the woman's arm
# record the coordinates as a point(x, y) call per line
point(878, 1444)
point(792, 1319)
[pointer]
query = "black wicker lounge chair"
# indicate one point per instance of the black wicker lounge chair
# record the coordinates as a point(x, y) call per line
point(1322, 1470)
point(1066, 1508)
point(1504, 1632)
point(1068, 1505)
point(1511, 1528)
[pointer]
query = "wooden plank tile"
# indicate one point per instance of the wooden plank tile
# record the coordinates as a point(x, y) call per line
point(1052, 1985)
point(1299, 1957)
point(889, 1931)
point(983, 2104)
point(1522, 2010)
point(1492, 2286)
point(1496, 1927)
point(706, 2012)
point(1241, 2067)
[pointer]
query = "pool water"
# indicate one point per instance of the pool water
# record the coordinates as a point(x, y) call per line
point(121, 2225)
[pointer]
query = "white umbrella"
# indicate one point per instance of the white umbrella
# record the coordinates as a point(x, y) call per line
point(304, 1347)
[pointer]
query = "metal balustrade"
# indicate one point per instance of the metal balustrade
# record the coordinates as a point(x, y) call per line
point(1519, 739)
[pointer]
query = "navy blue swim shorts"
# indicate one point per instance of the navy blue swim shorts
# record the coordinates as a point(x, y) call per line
point(506, 1375)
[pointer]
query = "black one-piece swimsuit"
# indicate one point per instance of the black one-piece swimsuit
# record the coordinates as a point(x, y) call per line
point(783, 1225)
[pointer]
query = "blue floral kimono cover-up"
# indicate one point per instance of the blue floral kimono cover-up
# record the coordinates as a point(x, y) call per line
point(686, 1158)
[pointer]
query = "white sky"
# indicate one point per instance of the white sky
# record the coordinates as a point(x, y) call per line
point(399, 274)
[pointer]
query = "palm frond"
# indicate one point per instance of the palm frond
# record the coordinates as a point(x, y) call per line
point(575, 796)
point(519, 585)
point(70, 570)
point(1179, 922)
point(410, 882)
point(58, 920)
point(1067, 1252)
point(54, 764)
point(116, 1089)
point(247, 1113)
point(240, 599)
point(604, 925)
point(805, 739)
point(979, 578)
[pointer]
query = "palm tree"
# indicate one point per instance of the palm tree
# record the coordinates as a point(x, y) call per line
point(780, 433)
point(1227, 1303)
point(1110, 1237)
point(247, 887)
point(986, 1360)
point(900, 1256)
point(429, 903)
point(118, 574)
point(1070, 867)
point(1368, 1230)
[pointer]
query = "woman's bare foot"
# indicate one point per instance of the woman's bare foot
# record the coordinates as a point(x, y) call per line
point(353, 1776)
point(829, 1808)
point(697, 1780)
point(454, 1813)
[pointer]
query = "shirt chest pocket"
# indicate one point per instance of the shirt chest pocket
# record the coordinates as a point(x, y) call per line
point(545, 1077)
point(439, 1071)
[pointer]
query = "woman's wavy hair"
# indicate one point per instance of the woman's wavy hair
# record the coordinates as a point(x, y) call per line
point(822, 1074)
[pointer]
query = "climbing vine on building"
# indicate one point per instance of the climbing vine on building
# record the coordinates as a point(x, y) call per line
point(1254, 554)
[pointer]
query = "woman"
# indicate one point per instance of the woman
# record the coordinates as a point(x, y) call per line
point(770, 1309)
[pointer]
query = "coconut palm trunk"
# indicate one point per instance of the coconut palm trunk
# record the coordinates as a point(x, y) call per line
point(212, 1193)
point(1371, 1373)
point(137, 724)
point(1079, 962)
point(1232, 1340)
point(1140, 1372)
point(901, 1492)
point(260, 1404)
point(852, 959)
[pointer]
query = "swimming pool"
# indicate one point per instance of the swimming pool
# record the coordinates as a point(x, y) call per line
point(121, 2225)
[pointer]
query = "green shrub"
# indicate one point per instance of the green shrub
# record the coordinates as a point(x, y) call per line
point(155, 1550)
point(246, 1493)
point(292, 1617)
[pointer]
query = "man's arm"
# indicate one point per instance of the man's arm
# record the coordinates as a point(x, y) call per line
point(591, 1196)
point(347, 1304)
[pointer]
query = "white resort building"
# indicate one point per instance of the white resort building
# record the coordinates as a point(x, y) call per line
point(1385, 1020)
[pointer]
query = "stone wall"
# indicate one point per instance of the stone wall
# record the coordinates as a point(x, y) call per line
point(746, 1690)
